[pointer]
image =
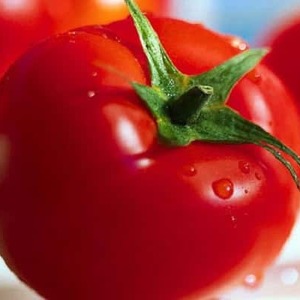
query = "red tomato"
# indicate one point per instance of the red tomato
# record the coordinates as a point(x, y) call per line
point(94, 207)
point(79, 13)
point(23, 23)
point(283, 58)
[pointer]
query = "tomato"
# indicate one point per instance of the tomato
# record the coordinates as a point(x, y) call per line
point(23, 23)
point(283, 57)
point(79, 13)
point(95, 206)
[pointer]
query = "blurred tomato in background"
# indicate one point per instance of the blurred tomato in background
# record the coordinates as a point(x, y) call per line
point(75, 13)
point(24, 22)
point(284, 42)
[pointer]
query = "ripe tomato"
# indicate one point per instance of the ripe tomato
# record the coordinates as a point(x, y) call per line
point(283, 58)
point(79, 13)
point(23, 23)
point(94, 206)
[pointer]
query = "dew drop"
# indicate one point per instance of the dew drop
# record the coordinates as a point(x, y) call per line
point(223, 188)
point(238, 44)
point(117, 39)
point(95, 74)
point(91, 94)
point(254, 76)
point(244, 167)
point(258, 176)
point(189, 170)
point(252, 281)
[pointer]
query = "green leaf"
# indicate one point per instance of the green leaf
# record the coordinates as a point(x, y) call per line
point(153, 98)
point(193, 108)
point(224, 77)
point(163, 72)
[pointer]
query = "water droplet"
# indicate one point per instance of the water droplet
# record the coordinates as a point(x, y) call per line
point(72, 36)
point(72, 33)
point(144, 163)
point(189, 170)
point(95, 74)
point(223, 188)
point(258, 176)
point(91, 94)
point(244, 167)
point(252, 281)
point(254, 76)
point(116, 39)
point(289, 276)
point(238, 43)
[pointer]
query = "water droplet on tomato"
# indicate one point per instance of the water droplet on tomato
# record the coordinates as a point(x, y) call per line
point(252, 281)
point(144, 163)
point(91, 94)
point(223, 188)
point(244, 167)
point(257, 77)
point(72, 33)
point(189, 170)
point(258, 176)
point(254, 76)
point(95, 74)
point(238, 43)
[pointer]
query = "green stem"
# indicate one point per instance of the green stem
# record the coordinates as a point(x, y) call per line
point(193, 108)
point(164, 74)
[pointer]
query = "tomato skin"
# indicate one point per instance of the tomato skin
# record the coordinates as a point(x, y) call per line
point(24, 23)
point(90, 196)
point(283, 57)
point(21, 27)
point(89, 12)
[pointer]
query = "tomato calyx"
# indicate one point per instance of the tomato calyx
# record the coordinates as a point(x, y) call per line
point(193, 108)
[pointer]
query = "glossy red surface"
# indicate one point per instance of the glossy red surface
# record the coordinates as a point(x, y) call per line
point(24, 23)
point(283, 58)
point(94, 207)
